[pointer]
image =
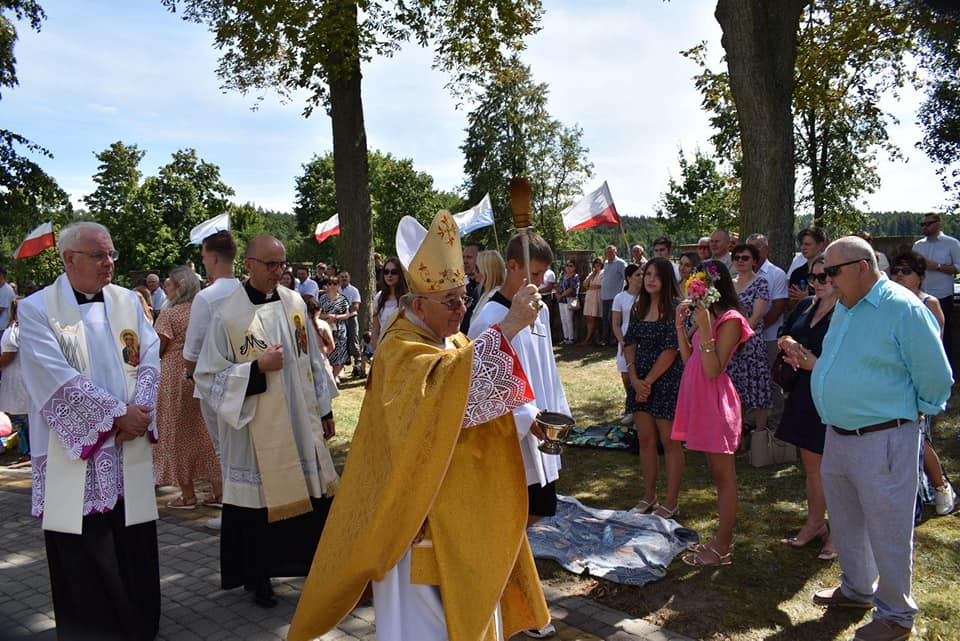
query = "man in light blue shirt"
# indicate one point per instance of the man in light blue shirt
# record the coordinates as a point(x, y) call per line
point(882, 364)
point(611, 284)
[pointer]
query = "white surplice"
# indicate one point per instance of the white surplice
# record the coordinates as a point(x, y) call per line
point(222, 383)
point(536, 356)
point(85, 406)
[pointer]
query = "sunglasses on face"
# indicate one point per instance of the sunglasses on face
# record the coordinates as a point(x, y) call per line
point(906, 271)
point(833, 270)
point(391, 272)
point(927, 223)
point(743, 258)
point(819, 278)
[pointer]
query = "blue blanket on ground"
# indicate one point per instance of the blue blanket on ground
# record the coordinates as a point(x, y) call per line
point(623, 547)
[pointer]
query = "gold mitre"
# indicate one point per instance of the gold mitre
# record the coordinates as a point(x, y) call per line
point(432, 259)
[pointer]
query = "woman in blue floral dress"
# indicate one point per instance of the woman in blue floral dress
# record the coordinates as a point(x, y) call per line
point(749, 368)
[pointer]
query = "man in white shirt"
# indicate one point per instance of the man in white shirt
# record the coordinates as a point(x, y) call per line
point(663, 248)
point(7, 296)
point(157, 296)
point(307, 286)
point(217, 253)
point(943, 261)
point(353, 326)
point(720, 247)
point(777, 280)
point(548, 294)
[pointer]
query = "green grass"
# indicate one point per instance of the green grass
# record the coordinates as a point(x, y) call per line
point(766, 593)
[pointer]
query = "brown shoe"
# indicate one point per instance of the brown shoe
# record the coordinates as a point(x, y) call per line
point(882, 630)
point(834, 597)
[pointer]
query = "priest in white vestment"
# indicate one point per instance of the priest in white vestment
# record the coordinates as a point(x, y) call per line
point(260, 370)
point(91, 363)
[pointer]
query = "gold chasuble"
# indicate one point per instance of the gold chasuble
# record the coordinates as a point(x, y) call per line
point(413, 470)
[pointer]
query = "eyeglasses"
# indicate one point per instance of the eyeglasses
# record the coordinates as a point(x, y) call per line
point(98, 256)
point(271, 265)
point(833, 270)
point(927, 223)
point(906, 271)
point(453, 304)
point(819, 278)
point(742, 258)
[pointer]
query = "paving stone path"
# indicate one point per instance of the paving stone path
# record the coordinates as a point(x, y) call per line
point(194, 608)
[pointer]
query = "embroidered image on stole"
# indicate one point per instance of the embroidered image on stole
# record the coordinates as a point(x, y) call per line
point(131, 347)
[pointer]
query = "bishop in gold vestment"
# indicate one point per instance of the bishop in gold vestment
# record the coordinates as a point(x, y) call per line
point(432, 504)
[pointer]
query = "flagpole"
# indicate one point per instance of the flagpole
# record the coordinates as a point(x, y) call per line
point(496, 240)
point(626, 245)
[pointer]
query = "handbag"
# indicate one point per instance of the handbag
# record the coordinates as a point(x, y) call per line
point(765, 449)
point(574, 305)
point(783, 373)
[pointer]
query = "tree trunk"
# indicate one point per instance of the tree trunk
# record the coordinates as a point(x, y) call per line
point(351, 171)
point(760, 40)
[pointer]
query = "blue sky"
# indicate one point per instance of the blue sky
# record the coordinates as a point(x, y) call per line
point(107, 70)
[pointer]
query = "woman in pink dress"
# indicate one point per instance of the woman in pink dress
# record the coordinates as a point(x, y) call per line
point(184, 451)
point(708, 413)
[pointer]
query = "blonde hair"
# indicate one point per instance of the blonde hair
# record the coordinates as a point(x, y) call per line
point(490, 265)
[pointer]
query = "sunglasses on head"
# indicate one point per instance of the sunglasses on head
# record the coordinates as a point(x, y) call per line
point(906, 271)
point(833, 270)
point(391, 272)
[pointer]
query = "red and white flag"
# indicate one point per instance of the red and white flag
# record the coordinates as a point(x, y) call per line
point(328, 228)
point(36, 241)
point(596, 208)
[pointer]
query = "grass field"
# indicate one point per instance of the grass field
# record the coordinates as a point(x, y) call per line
point(766, 593)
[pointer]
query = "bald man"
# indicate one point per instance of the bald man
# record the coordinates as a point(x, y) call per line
point(260, 370)
point(882, 365)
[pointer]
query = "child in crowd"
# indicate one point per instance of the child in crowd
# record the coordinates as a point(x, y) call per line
point(366, 353)
point(708, 415)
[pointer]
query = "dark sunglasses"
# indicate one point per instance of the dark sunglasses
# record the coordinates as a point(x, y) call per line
point(927, 223)
point(833, 270)
point(819, 278)
point(906, 271)
point(391, 272)
point(742, 258)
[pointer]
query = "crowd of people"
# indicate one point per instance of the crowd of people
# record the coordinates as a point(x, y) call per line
point(232, 382)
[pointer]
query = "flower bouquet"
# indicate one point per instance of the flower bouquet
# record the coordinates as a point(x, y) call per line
point(699, 287)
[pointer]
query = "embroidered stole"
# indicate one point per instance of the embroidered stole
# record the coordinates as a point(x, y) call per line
point(284, 486)
point(65, 478)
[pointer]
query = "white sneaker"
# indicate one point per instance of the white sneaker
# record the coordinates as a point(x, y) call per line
point(543, 633)
point(214, 524)
point(945, 500)
point(627, 419)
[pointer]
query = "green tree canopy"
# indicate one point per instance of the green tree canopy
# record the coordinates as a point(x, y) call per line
point(397, 189)
point(291, 45)
point(150, 220)
point(700, 201)
point(28, 195)
point(510, 133)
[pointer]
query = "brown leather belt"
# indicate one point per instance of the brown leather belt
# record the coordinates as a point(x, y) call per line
point(897, 422)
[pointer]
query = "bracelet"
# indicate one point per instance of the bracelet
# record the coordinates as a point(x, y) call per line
point(707, 350)
point(629, 365)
